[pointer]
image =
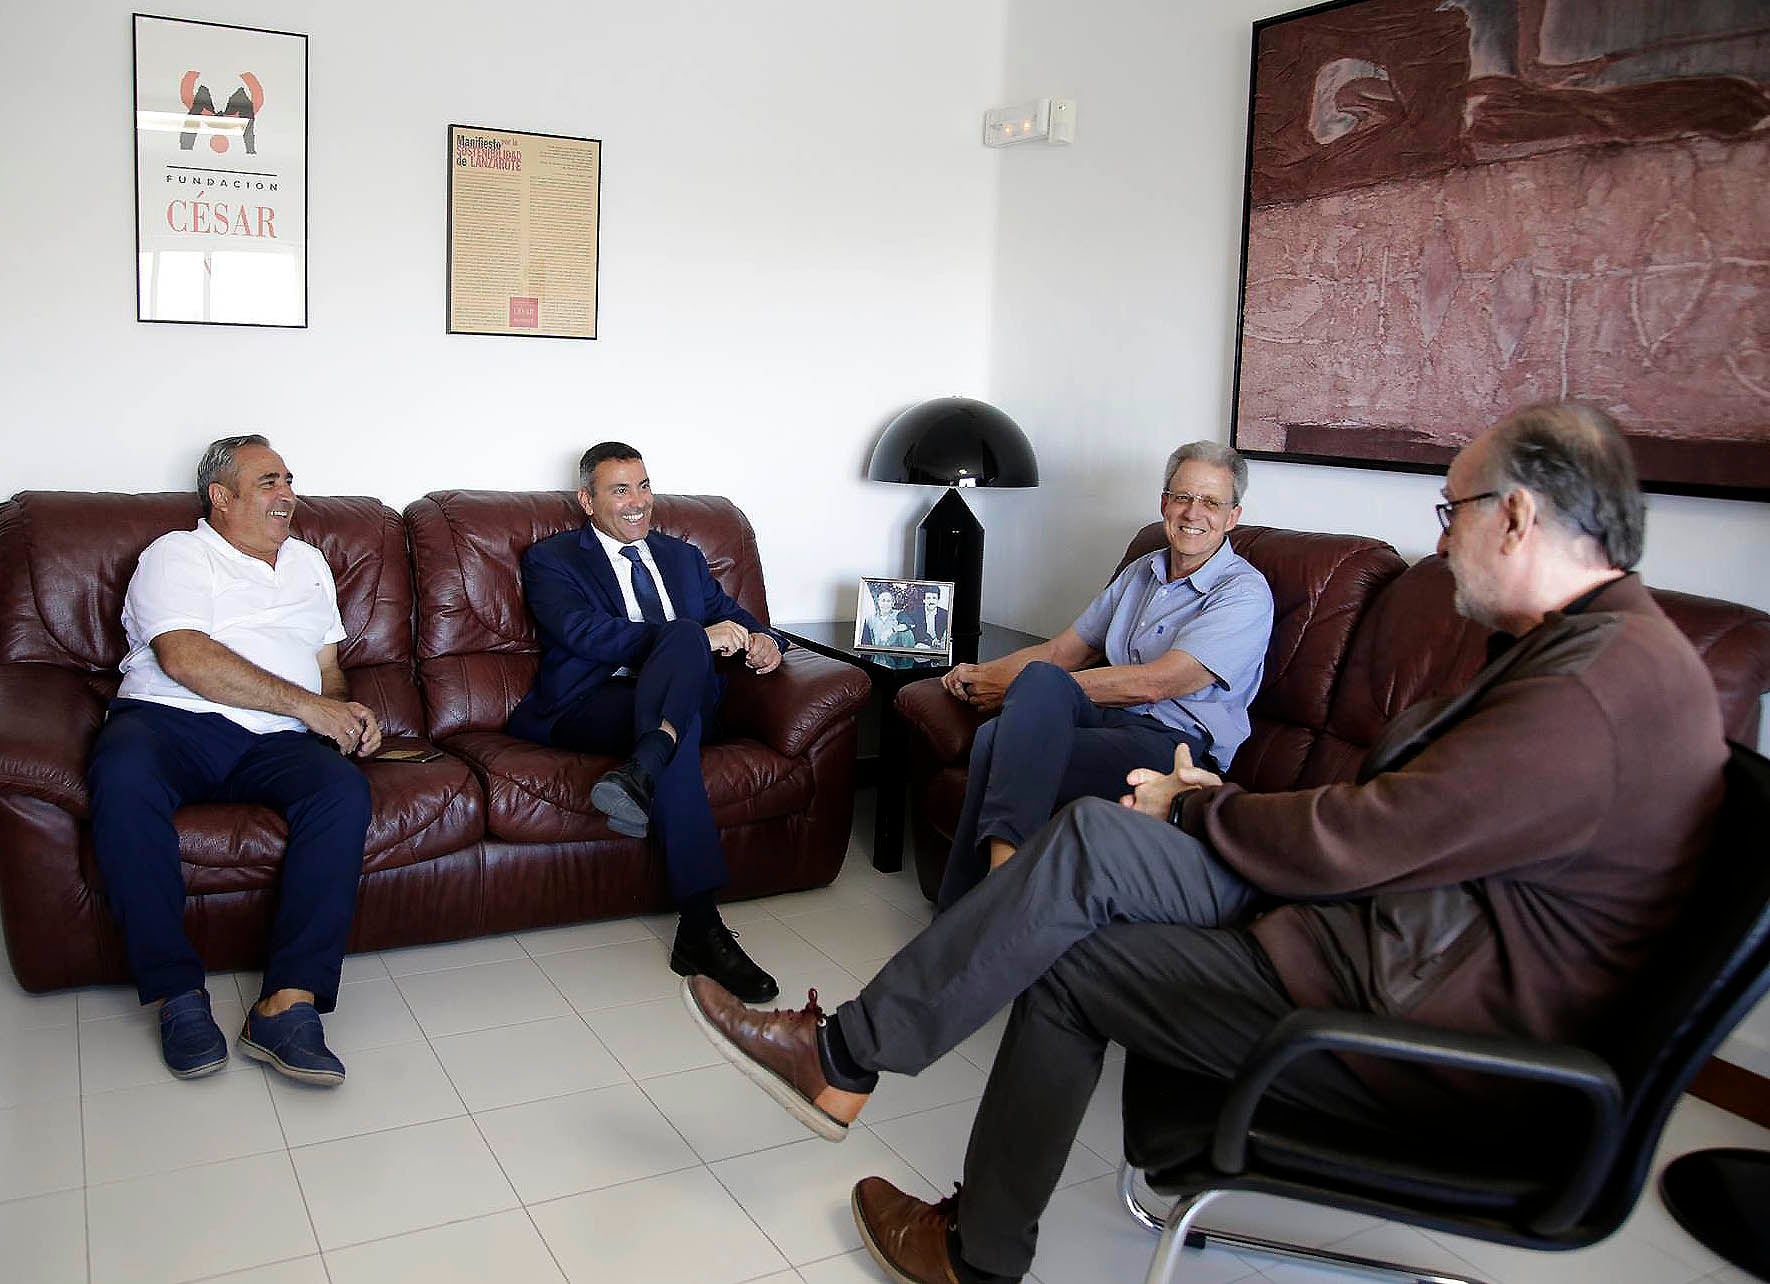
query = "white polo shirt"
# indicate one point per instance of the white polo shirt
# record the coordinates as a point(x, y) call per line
point(278, 618)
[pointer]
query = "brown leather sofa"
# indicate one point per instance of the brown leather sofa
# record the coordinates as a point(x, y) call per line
point(1358, 635)
point(493, 836)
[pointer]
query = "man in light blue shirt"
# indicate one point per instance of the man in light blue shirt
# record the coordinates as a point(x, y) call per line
point(1183, 633)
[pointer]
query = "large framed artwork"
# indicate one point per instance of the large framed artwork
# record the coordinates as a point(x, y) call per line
point(220, 173)
point(1456, 207)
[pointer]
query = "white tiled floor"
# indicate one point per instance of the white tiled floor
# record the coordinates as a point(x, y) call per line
point(538, 1107)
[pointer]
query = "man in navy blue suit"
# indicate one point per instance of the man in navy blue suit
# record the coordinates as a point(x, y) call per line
point(629, 622)
point(927, 619)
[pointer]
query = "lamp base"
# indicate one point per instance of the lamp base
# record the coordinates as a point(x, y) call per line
point(949, 546)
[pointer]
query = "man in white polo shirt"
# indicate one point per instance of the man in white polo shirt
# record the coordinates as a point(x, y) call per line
point(232, 693)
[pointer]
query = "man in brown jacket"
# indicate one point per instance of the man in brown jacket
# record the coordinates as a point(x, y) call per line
point(1505, 861)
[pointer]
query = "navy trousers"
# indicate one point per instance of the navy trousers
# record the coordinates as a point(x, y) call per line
point(152, 759)
point(676, 683)
point(1050, 745)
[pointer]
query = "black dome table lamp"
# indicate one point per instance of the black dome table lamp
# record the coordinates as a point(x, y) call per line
point(954, 442)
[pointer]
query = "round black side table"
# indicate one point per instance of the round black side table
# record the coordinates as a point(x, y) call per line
point(1722, 1197)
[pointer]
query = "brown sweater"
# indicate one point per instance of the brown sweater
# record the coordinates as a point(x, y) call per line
point(1509, 856)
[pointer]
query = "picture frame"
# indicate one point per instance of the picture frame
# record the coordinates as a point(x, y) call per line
point(221, 192)
point(888, 619)
point(1451, 211)
point(524, 215)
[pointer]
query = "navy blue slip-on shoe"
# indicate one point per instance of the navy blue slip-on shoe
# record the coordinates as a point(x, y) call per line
point(190, 1041)
point(292, 1042)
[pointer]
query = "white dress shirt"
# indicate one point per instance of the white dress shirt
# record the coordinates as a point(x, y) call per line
point(624, 574)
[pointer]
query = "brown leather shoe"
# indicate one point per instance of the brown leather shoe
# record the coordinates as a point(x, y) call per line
point(907, 1237)
point(776, 1050)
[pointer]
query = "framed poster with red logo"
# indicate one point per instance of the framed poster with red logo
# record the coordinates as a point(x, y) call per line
point(220, 173)
point(523, 212)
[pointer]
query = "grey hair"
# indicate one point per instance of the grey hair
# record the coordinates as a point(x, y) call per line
point(1216, 454)
point(217, 464)
point(1577, 461)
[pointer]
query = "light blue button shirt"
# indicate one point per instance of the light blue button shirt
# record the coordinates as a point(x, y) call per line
point(1221, 615)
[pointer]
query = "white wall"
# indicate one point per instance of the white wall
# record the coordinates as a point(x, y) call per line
point(796, 228)
point(1113, 328)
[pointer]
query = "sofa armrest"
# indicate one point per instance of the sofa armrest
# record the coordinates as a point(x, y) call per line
point(788, 710)
point(49, 717)
point(946, 726)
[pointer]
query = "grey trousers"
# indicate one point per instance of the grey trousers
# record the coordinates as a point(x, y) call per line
point(1108, 927)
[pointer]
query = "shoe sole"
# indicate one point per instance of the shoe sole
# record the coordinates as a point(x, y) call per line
point(680, 966)
point(258, 1052)
point(872, 1245)
point(785, 1094)
point(197, 1072)
point(624, 815)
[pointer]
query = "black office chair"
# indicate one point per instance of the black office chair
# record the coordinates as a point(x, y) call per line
point(1567, 1182)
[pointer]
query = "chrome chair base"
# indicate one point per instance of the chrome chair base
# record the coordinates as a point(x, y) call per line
point(1179, 1231)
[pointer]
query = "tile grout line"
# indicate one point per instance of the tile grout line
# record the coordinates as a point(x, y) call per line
point(85, 1176)
point(478, 1130)
point(289, 1157)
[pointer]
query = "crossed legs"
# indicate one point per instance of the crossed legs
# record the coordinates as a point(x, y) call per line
point(1048, 746)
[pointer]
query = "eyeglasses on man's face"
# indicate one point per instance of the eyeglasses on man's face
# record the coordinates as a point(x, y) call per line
point(1449, 507)
point(1184, 498)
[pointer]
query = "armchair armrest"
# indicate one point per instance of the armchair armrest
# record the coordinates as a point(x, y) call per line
point(1313, 1030)
point(49, 717)
point(946, 726)
point(787, 710)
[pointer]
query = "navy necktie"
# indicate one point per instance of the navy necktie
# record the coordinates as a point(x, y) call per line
point(645, 588)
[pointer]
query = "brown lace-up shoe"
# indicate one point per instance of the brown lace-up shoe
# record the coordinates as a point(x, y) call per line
point(907, 1237)
point(776, 1050)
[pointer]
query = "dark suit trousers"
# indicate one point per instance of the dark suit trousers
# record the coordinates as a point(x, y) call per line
point(150, 760)
point(675, 683)
point(1108, 927)
point(1048, 746)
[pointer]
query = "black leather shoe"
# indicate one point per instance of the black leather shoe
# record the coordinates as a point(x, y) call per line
point(624, 796)
point(715, 952)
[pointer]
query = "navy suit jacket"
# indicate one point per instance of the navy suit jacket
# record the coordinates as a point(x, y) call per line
point(582, 620)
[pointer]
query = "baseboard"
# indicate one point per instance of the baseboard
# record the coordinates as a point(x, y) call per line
point(1734, 1088)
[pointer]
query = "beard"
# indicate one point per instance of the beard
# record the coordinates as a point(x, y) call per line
point(1472, 602)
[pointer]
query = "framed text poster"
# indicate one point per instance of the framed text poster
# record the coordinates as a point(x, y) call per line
point(523, 212)
point(220, 173)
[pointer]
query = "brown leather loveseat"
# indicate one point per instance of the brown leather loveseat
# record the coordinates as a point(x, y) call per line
point(1358, 636)
point(493, 836)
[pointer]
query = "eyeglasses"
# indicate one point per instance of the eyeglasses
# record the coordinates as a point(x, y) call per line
point(1185, 497)
point(1448, 508)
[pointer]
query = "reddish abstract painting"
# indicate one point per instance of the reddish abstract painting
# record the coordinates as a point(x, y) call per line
point(1455, 207)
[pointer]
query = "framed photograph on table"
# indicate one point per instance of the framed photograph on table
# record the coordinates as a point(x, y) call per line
point(910, 617)
point(220, 173)
point(523, 215)
point(1455, 209)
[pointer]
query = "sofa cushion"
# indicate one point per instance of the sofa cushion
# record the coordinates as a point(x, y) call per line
point(1734, 641)
point(418, 811)
point(535, 794)
point(1410, 646)
point(476, 639)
